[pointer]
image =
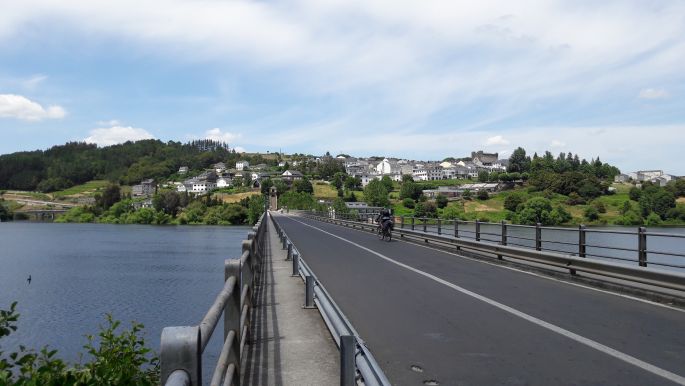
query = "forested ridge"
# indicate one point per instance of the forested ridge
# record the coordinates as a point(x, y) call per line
point(74, 163)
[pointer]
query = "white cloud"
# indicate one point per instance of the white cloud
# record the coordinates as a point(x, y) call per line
point(117, 134)
point(557, 143)
point(111, 122)
point(496, 140)
point(217, 134)
point(33, 82)
point(19, 107)
point(654, 93)
point(442, 53)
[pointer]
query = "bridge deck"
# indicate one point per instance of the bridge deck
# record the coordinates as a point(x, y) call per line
point(431, 315)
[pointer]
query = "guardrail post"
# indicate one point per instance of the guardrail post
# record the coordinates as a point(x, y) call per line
point(180, 350)
point(412, 223)
point(581, 240)
point(538, 237)
point(285, 242)
point(290, 251)
point(348, 369)
point(642, 246)
point(424, 224)
point(456, 228)
point(504, 236)
point(233, 311)
point(309, 292)
point(296, 264)
point(401, 222)
point(477, 230)
point(439, 227)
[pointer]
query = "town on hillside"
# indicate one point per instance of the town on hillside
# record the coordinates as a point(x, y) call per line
point(218, 185)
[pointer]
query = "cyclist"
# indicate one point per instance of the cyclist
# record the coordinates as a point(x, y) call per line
point(384, 219)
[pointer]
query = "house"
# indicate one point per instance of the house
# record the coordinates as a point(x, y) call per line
point(481, 158)
point(291, 175)
point(197, 186)
point(147, 203)
point(224, 182)
point(622, 178)
point(183, 170)
point(241, 165)
point(220, 167)
point(427, 172)
point(144, 189)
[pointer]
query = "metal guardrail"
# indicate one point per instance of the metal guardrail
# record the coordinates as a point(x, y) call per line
point(357, 362)
point(182, 347)
point(631, 245)
point(642, 274)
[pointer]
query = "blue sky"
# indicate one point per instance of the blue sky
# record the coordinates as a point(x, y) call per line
point(423, 80)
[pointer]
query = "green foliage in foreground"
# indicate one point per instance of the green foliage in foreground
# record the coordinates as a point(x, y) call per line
point(115, 358)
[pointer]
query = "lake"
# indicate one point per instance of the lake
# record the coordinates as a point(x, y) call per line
point(157, 275)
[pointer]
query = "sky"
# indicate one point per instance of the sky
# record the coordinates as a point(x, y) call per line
point(419, 80)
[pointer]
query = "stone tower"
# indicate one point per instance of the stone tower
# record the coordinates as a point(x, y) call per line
point(273, 198)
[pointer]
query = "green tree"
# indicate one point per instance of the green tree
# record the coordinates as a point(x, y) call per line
point(168, 201)
point(653, 220)
point(512, 201)
point(339, 180)
point(425, 209)
point(353, 183)
point(482, 195)
point(5, 214)
point(110, 195)
point(375, 194)
point(483, 176)
point(536, 210)
point(255, 208)
point(441, 201)
point(657, 200)
point(408, 203)
point(410, 189)
point(466, 195)
point(266, 185)
point(630, 217)
point(303, 186)
point(387, 182)
point(634, 193)
point(518, 162)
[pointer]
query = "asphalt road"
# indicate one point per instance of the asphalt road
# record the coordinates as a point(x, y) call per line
point(431, 316)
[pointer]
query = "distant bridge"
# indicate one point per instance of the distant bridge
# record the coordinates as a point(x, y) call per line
point(42, 214)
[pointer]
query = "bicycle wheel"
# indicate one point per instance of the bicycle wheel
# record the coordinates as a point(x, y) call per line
point(388, 236)
point(380, 234)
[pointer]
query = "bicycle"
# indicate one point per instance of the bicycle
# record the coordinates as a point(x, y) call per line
point(384, 234)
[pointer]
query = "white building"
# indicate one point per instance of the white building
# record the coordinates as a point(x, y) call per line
point(224, 182)
point(183, 170)
point(240, 165)
point(428, 172)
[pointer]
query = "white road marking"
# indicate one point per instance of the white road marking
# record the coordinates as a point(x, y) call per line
point(549, 326)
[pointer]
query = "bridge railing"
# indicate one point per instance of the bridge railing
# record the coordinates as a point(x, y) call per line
point(480, 240)
point(182, 347)
point(640, 246)
point(357, 362)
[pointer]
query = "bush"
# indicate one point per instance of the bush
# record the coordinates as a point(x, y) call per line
point(119, 358)
point(559, 215)
point(634, 193)
point(513, 201)
point(441, 201)
point(425, 209)
point(653, 219)
point(599, 205)
point(483, 195)
point(591, 213)
point(452, 212)
point(575, 199)
point(408, 203)
point(630, 217)
point(677, 213)
point(466, 195)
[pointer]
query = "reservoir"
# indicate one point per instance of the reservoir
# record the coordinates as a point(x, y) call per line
point(156, 275)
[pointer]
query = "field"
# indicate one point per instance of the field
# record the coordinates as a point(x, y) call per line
point(324, 191)
point(235, 197)
point(87, 189)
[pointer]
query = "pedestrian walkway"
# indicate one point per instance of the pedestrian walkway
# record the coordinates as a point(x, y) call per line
point(291, 345)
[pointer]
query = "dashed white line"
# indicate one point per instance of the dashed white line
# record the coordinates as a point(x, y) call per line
point(549, 326)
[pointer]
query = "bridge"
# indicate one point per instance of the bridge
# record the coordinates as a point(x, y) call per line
point(42, 214)
point(438, 308)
